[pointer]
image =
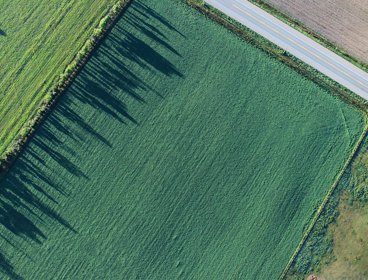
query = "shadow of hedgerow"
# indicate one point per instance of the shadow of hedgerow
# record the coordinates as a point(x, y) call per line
point(28, 197)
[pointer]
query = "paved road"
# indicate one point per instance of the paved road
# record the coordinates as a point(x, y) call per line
point(296, 43)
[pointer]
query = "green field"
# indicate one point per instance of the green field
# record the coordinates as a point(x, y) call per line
point(38, 38)
point(180, 152)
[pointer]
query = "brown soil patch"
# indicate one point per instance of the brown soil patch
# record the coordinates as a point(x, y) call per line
point(344, 22)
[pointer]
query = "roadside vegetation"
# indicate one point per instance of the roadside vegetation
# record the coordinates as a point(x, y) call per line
point(317, 252)
point(297, 23)
point(335, 248)
point(38, 40)
point(273, 50)
point(179, 151)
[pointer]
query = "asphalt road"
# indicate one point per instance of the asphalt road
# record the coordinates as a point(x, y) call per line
point(296, 43)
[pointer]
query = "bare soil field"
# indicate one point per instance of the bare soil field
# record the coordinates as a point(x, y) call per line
point(342, 22)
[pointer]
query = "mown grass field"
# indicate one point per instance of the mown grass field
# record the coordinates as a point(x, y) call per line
point(38, 39)
point(180, 152)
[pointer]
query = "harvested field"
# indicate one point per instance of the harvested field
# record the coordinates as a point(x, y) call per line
point(342, 22)
point(38, 39)
point(179, 152)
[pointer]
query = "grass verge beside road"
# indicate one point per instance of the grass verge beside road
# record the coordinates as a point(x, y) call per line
point(310, 33)
point(273, 50)
point(323, 216)
point(179, 151)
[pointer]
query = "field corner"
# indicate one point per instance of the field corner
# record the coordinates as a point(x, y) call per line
point(328, 196)
point(305, 70)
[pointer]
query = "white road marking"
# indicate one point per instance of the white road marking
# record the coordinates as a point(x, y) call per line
point(296, 43)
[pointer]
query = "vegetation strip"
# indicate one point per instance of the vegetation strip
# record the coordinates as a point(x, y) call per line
point(166, 160)
point(310, 33)
point(298, 25)
point(305, 70)
point(273, 50)
point(62, 84)
point(77, 64)
point(325, 200)
point(42, 38)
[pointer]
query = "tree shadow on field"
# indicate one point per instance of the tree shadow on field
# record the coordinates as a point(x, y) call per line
point(2, 32)
point(30, 191)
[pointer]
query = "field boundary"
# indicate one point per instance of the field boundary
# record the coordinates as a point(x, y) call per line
point(66, 78)
point(326, 198)
point(253, 38)
point(310, 73)
point(301, 27)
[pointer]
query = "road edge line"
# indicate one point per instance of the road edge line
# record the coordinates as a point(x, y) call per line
point(342, 93)
point(310, 33)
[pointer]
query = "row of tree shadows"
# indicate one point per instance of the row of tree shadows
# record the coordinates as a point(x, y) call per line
point(103, 85)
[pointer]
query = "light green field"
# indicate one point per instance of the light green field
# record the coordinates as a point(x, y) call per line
point(180, 152)
point(38, 38)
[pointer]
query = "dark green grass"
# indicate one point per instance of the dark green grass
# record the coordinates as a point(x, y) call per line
point(180, 152)
point(38, 38)
point(318, 250)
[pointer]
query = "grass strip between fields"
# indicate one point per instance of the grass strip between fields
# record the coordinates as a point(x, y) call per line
point(298, 25)
point(326, 199)
point(66, 78)
point(306, 71)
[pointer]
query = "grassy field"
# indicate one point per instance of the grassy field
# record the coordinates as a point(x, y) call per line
point(337, 246)
point(180, 152)
point(38, 39)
